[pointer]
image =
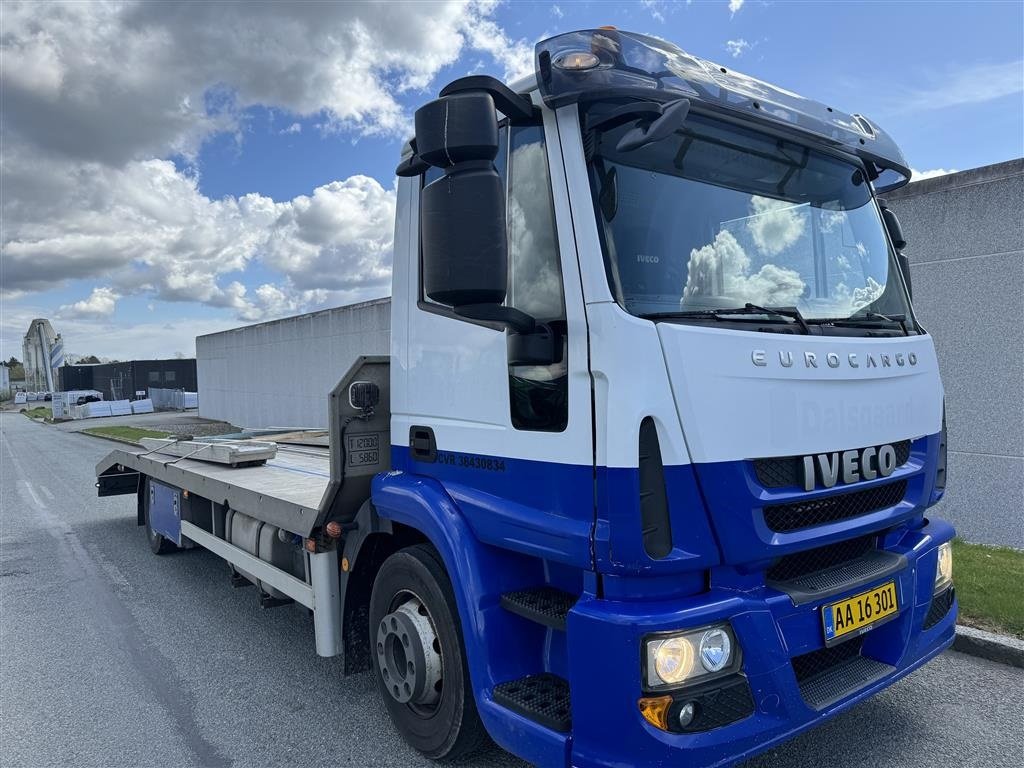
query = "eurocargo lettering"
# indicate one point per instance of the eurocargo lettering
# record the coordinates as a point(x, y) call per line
point(643, 479)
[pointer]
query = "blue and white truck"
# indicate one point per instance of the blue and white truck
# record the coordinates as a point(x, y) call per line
point(644, 479)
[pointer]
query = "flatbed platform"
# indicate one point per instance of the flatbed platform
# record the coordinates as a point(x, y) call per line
point(287, 491)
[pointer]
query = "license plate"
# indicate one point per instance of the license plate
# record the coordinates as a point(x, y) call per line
point(858, 613)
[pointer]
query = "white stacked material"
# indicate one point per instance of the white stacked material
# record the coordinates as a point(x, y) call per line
point(142, 406)
point(20, 398)
point(57, 408)
point(32, 396)
point(92, 410)
point(189, 399)
point(120, 407)
point(242, 452)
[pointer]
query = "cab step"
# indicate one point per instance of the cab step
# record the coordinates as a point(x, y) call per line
point(545, 605)
point(543, 698)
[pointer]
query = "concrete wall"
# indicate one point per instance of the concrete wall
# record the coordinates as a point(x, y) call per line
point(279, 374)
point(965, 235)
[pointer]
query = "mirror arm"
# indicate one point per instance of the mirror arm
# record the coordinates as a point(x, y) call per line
point(412, 166)
point(510, 317)
point(516, 108)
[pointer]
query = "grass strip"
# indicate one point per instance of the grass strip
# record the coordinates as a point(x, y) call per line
point(130, 434)
point(988, 583)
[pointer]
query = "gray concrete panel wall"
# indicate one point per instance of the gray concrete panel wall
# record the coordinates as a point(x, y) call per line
point(965, 235)
point(279, 374)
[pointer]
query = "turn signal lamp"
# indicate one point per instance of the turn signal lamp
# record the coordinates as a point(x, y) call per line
point(655, 710)
point(944, 568)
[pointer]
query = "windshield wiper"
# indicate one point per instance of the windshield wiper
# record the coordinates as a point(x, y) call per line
point(721, 314)
point(865, 318)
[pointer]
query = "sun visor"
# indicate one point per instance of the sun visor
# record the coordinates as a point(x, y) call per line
point(608, 64)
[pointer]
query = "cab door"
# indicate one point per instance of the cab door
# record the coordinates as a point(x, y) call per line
point(511, 444)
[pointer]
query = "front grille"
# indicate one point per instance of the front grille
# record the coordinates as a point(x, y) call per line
point(816, 662)
point(787, 471)
point(829, 675)
point(829, 509)
point(941, 603)
point(813, 560)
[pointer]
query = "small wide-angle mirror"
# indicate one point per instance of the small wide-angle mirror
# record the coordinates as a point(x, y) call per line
point(673, 115)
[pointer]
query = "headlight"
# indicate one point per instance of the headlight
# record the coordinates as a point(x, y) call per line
point(676, 659)
point(944, 568)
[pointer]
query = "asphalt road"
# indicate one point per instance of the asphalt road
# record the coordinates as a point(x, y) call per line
point(111, 656)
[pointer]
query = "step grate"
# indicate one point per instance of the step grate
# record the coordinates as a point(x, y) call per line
point(543, 698)
point(545, 605)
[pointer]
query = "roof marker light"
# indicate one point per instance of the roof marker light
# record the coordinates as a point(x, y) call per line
point(577, 61)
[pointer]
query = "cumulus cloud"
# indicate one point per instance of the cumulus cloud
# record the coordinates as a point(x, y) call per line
point(151, 87)
point(736, 48)
point(293, 128)
point(734, 7)
point(725, 263)
point(98, 95)
point(100, 303)
point(916, 175)
point(775, 224)
point(148, 229)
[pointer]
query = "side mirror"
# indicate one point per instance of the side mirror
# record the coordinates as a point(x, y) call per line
point(463, 237)
point(899, 242)
point(672, 117)
point(462, 214)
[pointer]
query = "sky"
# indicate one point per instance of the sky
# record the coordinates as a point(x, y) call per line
point(172, 169)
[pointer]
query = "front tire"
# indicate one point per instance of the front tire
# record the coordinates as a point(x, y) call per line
point(418, 656)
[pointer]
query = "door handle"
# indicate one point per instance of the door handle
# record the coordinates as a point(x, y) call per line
point(422, 445)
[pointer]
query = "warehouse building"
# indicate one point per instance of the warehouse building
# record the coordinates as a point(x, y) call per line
point(125, 380)
point(966, 246)
point(278, 374)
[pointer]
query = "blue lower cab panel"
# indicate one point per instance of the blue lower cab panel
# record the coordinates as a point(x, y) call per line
point(795, 682)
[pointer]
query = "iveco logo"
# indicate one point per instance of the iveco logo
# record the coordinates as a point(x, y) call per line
point(849, 466)
point(787, 359)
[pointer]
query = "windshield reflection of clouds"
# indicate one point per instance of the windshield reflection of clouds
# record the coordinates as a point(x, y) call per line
point(768, 258)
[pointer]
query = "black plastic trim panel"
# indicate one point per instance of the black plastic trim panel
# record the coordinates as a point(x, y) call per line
point(654, 519)
point(941, 605)
point(873, 566)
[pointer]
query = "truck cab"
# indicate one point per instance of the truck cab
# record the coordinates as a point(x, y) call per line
point(679, 420)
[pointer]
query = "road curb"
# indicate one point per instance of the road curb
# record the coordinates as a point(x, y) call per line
point(988, 645)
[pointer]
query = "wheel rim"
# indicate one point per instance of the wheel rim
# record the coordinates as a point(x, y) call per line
point(409, 655)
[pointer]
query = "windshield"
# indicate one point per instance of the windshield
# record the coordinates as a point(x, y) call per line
point(718, 216)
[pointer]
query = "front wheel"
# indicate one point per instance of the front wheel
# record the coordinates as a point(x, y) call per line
point(420, 663)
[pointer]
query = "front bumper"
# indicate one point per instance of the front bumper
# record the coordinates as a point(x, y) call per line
point(605, 645)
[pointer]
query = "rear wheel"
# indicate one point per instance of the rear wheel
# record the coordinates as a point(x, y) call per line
point(419, 660)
